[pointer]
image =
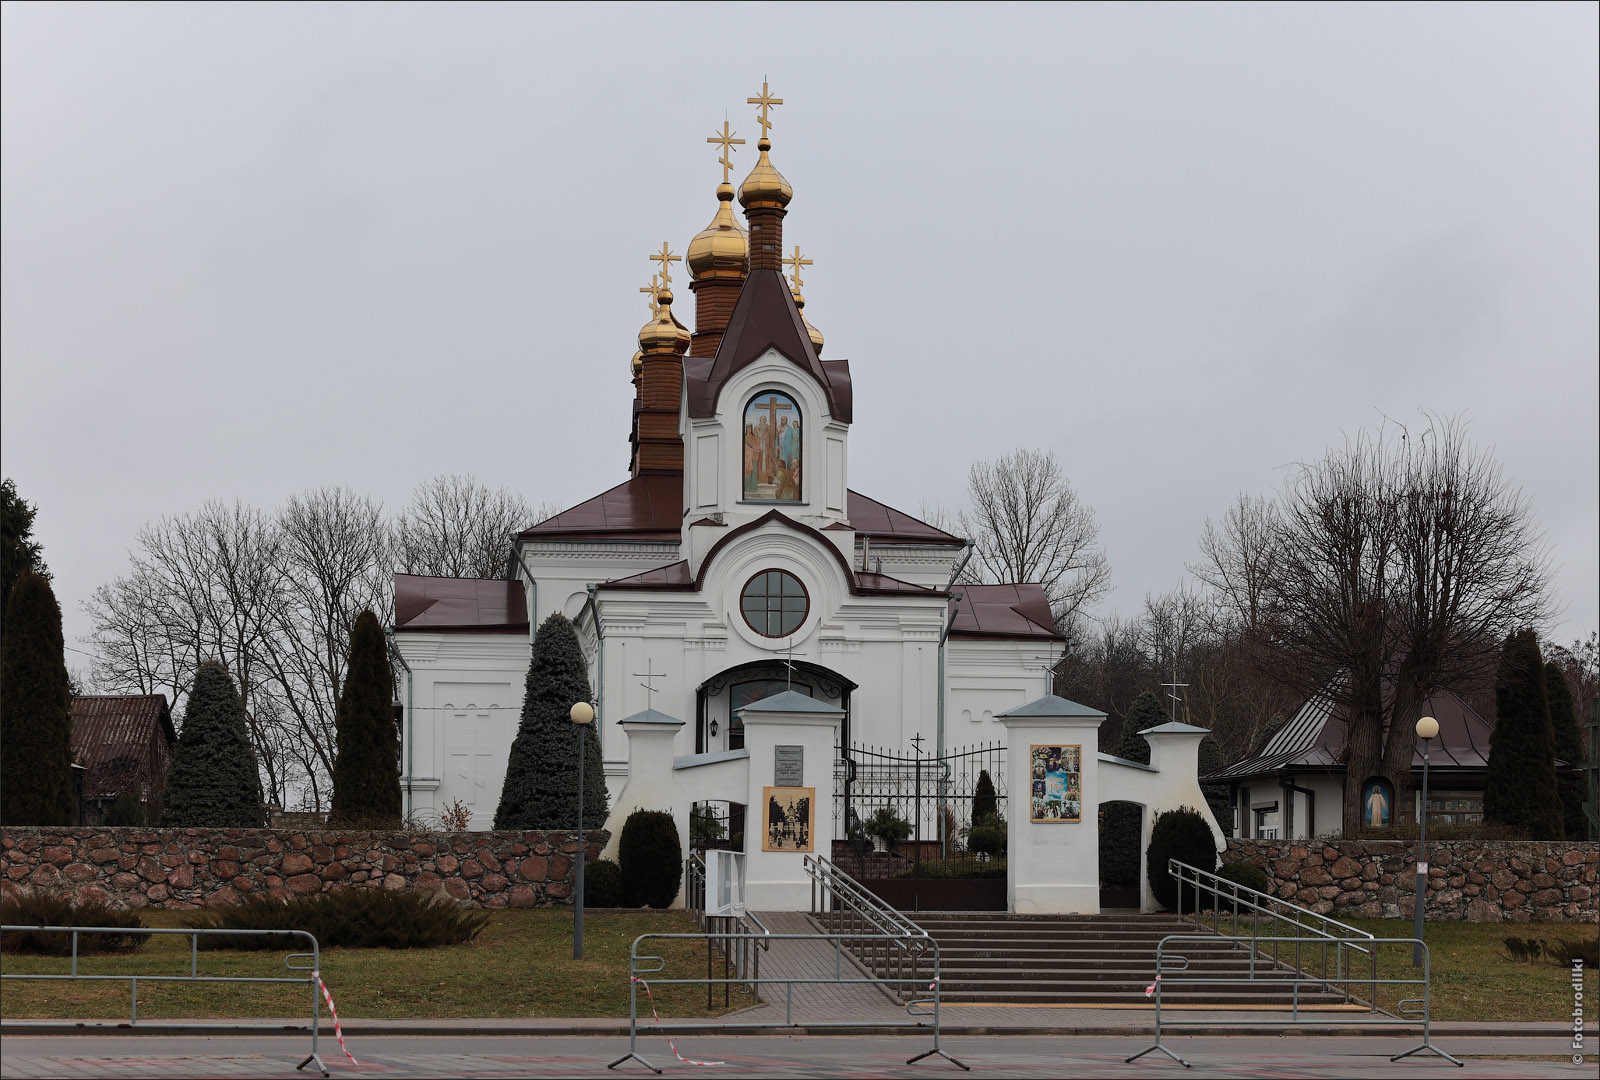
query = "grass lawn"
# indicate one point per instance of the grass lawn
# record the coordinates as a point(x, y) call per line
point(520, 966)
point(1474, 977)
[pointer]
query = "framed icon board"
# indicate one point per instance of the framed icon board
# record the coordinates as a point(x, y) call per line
point(1055, 784)
point(788, 818)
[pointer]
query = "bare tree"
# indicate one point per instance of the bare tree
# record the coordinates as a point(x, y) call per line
point(457, 527)
point(1389, 570)
point(1027, 524)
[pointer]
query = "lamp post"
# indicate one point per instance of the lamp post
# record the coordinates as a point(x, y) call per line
point(1427, 729)
point(582, 715)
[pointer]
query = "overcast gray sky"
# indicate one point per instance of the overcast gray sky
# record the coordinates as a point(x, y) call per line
point(251, 250)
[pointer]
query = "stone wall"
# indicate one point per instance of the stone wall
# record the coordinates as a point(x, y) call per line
point(1474, 880)
point(188, 868)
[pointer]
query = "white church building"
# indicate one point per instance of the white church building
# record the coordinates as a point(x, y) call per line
point(734, 562)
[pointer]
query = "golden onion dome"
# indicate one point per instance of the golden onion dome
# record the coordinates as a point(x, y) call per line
point(663, 333)
point(721, 249)
point(811, 331)
point(765, 186)
point(636, 365)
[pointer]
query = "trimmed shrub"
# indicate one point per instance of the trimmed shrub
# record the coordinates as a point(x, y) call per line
point(650, 857)
point(366, 771)
point(62, 909)
point(541, 785)
point(602, 884)
point(348, 918)
point(1180, 834)
point(212, 782)
point(985, 804)
point(126, 811)
point(959, 869)
point(35, 710)
point(1520, 784)
point(1249, 875)
point(988, 836)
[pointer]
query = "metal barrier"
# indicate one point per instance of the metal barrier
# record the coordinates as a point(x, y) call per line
point(1223, 902)
point(1170, 968)
point(641, 965)
point(194, 935)
point(888, 942)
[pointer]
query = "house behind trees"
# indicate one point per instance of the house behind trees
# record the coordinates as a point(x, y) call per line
point(123, 742)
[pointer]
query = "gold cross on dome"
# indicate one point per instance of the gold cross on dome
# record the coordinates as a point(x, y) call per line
point(727, 140)
point(651, 290)
point(766, 101)
point(794, 263)
point(666, 258)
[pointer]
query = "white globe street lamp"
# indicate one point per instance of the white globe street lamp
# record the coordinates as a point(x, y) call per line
point(582, 715)
point(1427, 731)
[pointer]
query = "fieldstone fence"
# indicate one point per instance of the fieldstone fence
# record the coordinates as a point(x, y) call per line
point(190, 868)
point(1471, 880)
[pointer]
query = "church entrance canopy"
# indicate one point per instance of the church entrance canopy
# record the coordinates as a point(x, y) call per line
point(718, 699)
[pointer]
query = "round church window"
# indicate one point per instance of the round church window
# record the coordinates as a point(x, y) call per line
point(774, 603)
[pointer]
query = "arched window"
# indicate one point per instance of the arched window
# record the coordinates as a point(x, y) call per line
point(774, 603)
point(772, 448)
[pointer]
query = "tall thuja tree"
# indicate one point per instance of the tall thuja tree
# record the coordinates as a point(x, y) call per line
point(212, 782)
point(1520, 786)
point(1120, 857)
point(35, 710)
point(366, 771)
point(541, 788)
point(19, 551)
point(1568, 743)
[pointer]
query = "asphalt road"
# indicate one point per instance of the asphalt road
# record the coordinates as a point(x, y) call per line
point(773, 1056)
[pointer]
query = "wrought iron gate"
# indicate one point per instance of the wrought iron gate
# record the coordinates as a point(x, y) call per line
point(923, 833)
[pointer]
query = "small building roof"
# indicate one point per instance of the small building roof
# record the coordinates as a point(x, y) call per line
point(1313, 740)
point(651, 716)
point(790, 701)
point(1004, 611)
point(112, 736)
point(1052, 705)
point(885, 524)
point(442, 605)
point(1175, 727)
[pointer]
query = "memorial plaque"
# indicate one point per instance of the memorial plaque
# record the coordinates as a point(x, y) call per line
point(788, 768)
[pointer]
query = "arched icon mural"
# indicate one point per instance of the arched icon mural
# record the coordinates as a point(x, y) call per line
point(772, 448)
point(1377, 803)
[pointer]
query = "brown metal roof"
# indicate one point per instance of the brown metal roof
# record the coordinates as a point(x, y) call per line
point(114, 737)
point(1314, 740)
point(764, 317)
point(672, 576)
point(1004, 611)
point(459, 604)
point(873, 584)
point(649, 507)
point(870, 517)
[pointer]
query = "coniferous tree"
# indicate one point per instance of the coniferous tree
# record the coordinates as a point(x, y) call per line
point(19, 551)
point(35, 710)
point(366, 772)
point(1146, 712)
point(1217, 796)
point(1120, 856)
point(541, 786)
point(1520, 786)
point(212, 781)
point(1568, 747)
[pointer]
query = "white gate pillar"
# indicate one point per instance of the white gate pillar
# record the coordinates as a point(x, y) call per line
point(1052, 866)
point(789, 737)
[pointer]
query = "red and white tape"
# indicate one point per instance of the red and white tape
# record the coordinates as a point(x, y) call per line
point(335, 1013)
point(670, 1043)
point(1151, 989)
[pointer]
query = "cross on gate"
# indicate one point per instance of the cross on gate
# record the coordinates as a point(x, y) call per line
point(916, 741)
point(468, 768)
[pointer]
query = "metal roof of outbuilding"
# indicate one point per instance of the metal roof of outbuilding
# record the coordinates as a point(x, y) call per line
point(444, 604)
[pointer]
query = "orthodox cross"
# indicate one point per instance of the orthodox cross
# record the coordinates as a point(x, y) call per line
point(773, 407)
point(647, 674)
point(788, 662)
point(651, 290)
point(1172, 693)
point(728, 141)
point(766, 101)
point(666, 258)
point(916, 741)
point(794, 263)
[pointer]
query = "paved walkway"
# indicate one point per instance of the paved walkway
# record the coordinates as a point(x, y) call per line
point(72, 1058)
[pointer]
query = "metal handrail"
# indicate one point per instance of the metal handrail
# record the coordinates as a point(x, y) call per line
point(1287, 923)
point(870, 910)
point(312, 976)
